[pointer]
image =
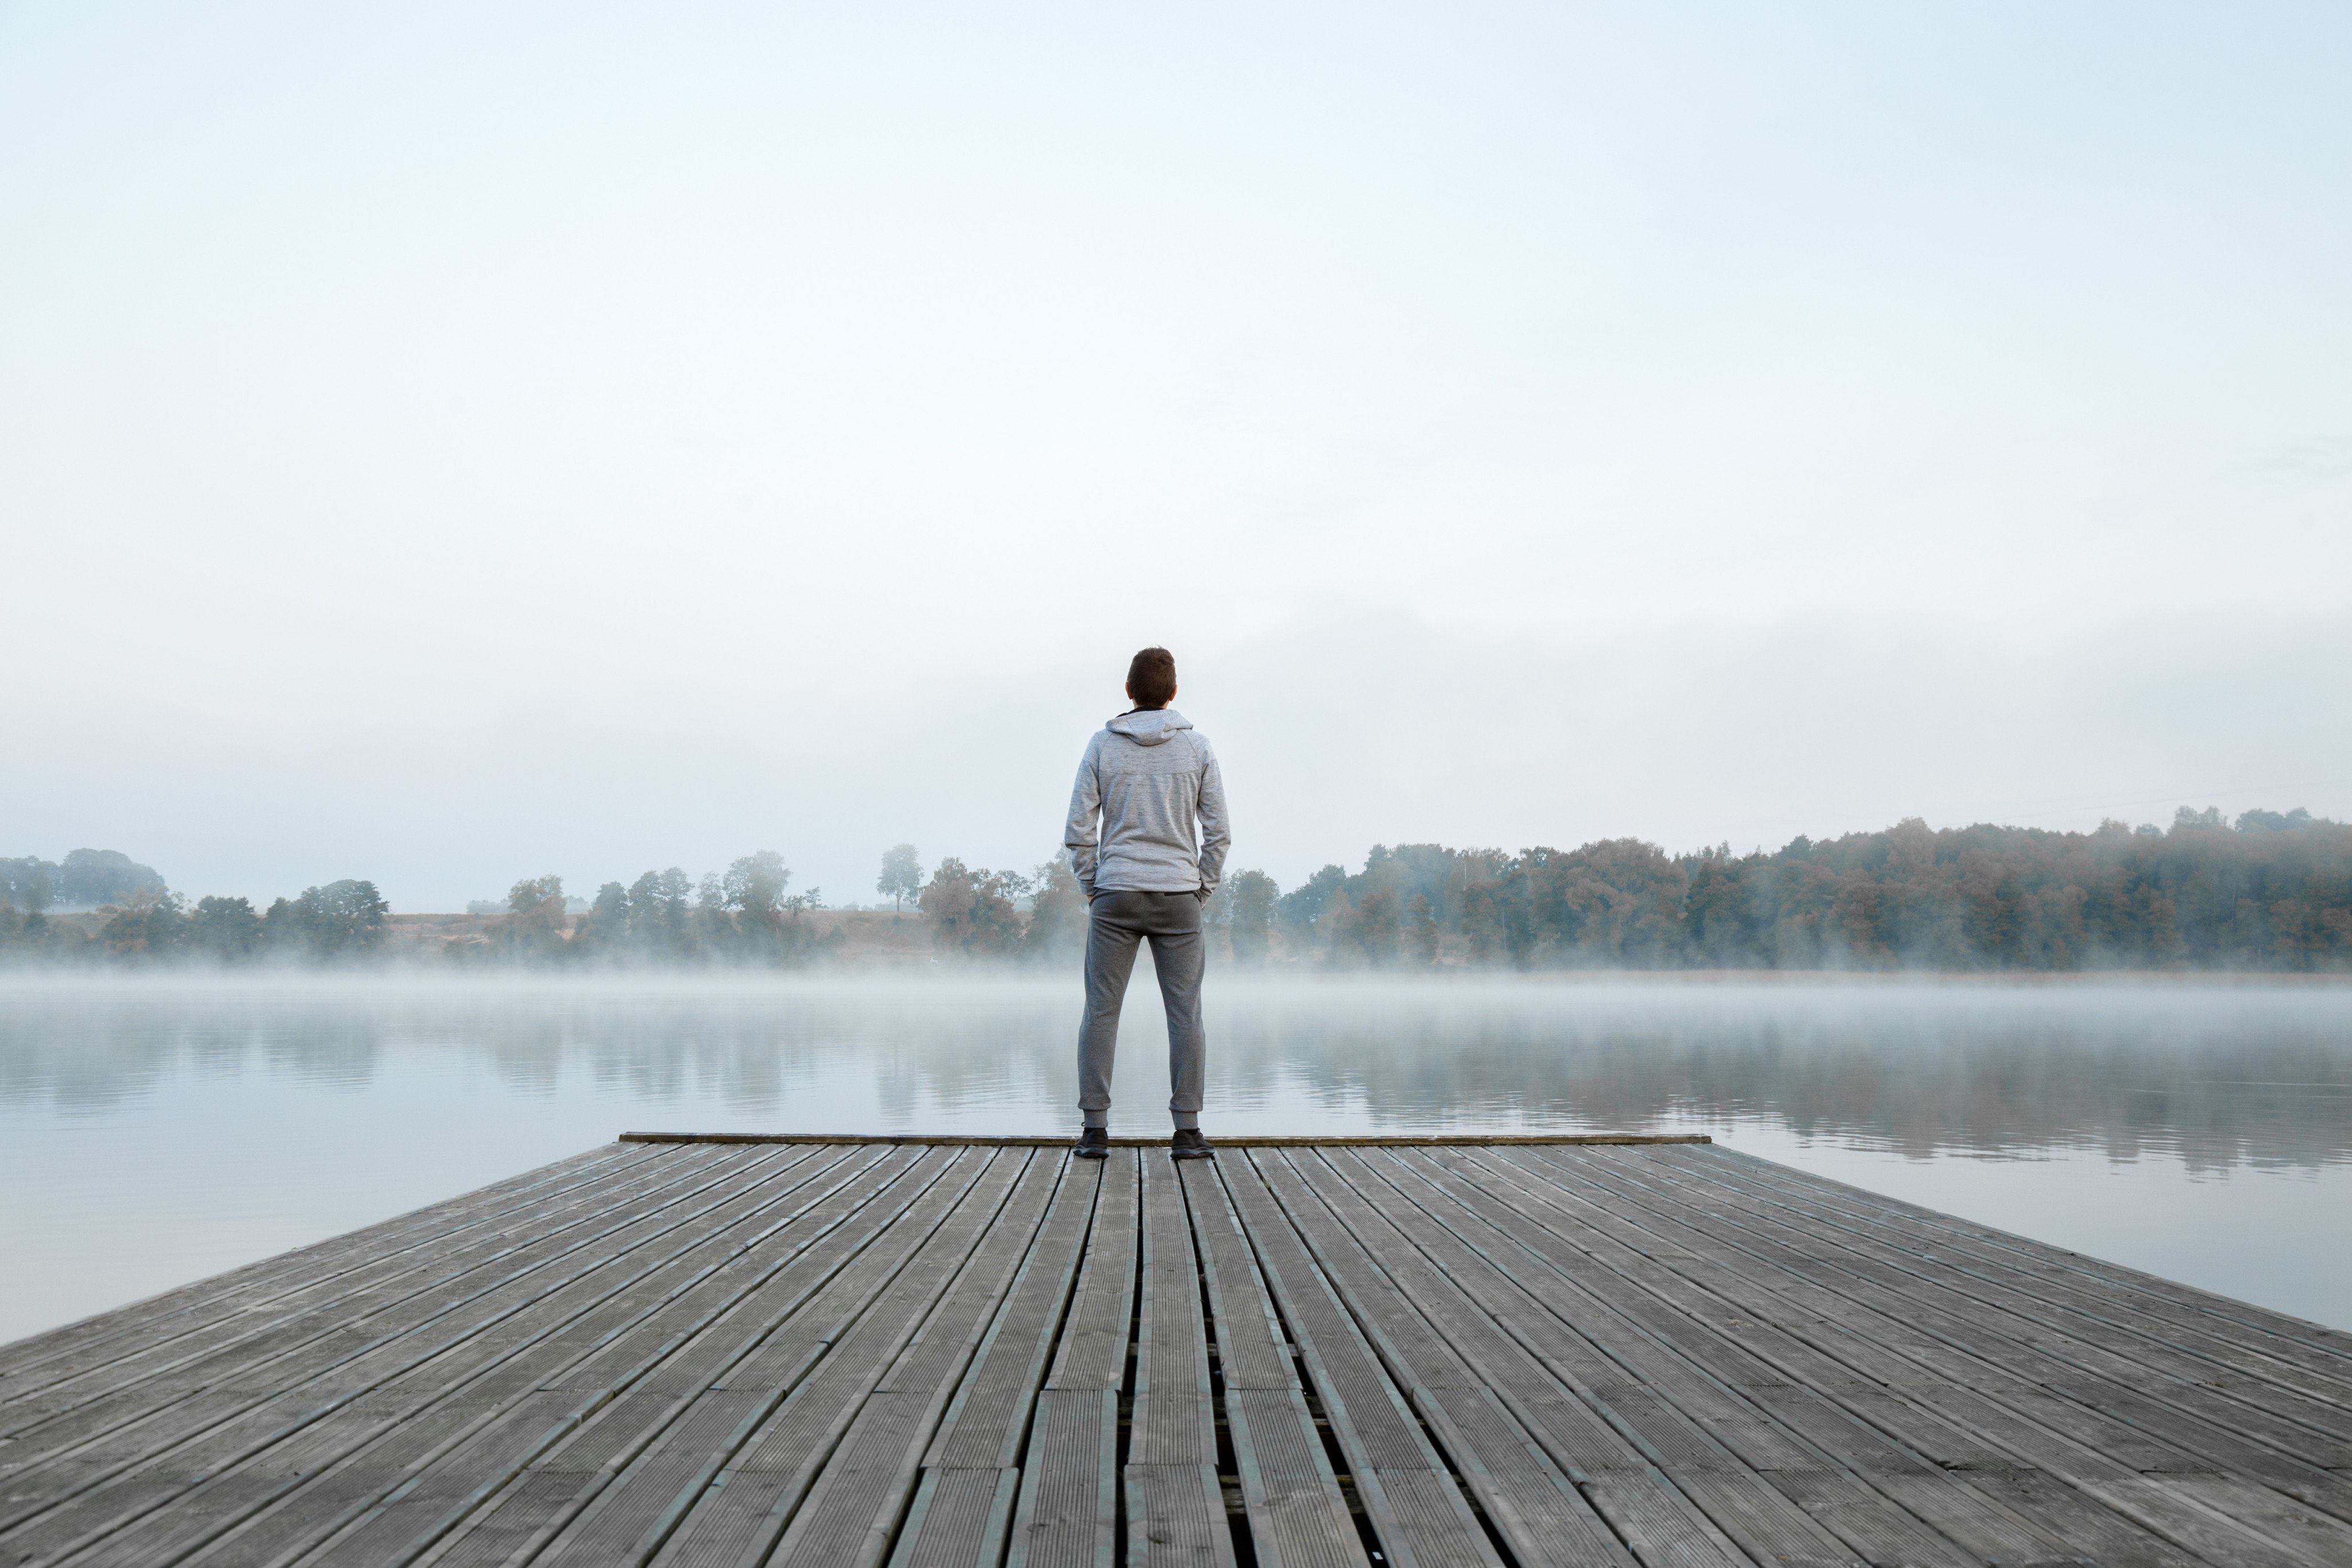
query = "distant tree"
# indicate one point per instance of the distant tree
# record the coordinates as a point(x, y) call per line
point(536, 923)
point(902, 875)
point(767, 924)
point(1250, 898)
point(1423, 916)
point(538, 897)
point(1485, 926)
point(604, 928)
point(225, 929)
point(1332, 938)
point(1424, 870)
point(281, 927)
point(755, 886)
point(340, 920)
point(149, 926)
point(1058, 914)
point(1217, 918)
point(90, 878)
point(27, 884)
point(1302, 909)
point(1373, 931)
point(660, 913)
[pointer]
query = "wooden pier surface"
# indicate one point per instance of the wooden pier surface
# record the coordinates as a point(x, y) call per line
point(918, 1354)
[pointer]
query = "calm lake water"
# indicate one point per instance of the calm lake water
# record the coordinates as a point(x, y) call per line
point(152, 1132)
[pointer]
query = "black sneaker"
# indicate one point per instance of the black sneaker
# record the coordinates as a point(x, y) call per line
point(1094, 1143)
point(1188, 1144)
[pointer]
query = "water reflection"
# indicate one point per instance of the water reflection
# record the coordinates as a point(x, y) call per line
point(2219, 1076)
point(158, 1130)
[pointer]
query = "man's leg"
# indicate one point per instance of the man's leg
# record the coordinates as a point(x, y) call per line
point(1176, 954)
point(1111, 934)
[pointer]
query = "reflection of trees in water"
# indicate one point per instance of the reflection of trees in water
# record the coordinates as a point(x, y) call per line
point(2216, 1076)
point(760, 1049)
point(88, 1049)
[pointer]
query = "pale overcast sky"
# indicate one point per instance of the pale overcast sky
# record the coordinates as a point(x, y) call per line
point(448, 443)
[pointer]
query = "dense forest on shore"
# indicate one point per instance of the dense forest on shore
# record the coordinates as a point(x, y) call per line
point(2270, 891)
point(2273, 891)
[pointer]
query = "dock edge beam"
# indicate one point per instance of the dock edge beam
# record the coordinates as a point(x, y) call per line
point(1237, 1141)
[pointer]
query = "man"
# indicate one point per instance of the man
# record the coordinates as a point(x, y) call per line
point(1152, 780)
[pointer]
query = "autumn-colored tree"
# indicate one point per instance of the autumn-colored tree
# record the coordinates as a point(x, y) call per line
point(969, 912)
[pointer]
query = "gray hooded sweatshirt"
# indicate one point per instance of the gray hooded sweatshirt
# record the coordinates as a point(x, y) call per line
point(1151, 778)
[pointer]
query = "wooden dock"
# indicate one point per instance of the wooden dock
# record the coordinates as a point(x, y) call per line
point(921, 1353)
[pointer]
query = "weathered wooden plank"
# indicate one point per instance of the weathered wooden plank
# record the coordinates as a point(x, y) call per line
point(961, 1519)
point(1413, 1503)
point(1174, 1419)
point(2026, 1424)
point(1175, 1512)
point(1067, 1515)
point(1915, 1455)
point(1094, 1350)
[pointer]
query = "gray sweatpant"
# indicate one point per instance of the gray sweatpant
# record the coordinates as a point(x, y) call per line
point(1115, 923)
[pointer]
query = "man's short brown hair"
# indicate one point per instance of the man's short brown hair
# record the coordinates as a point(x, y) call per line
point(1152, 677)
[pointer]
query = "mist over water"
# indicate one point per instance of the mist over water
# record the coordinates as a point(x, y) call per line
point(157, 1129)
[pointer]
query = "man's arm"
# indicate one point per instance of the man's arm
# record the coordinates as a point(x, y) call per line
point(1216, 830)
point(1080, 834)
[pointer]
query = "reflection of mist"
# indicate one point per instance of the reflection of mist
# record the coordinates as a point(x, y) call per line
point(2219, 1076)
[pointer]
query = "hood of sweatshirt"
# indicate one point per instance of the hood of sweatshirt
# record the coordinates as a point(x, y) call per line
point(1150, 728)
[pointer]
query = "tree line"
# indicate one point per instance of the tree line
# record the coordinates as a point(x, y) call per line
point(2270, 891)
point(741, 915)
point(340, 920)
